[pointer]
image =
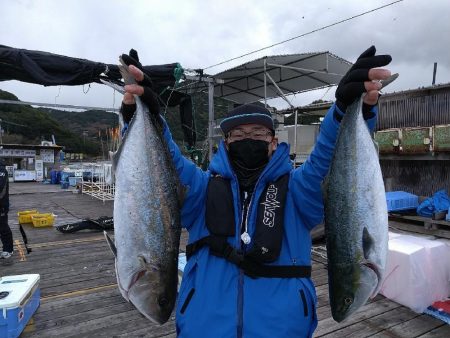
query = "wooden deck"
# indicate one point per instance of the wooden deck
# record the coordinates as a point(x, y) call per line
point(80, 297)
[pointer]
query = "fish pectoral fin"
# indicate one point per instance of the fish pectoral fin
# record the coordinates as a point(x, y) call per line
point(111, 244)
point(367, 242)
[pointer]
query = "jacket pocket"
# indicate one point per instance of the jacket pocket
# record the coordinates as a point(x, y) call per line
point(304, 302)
point(187, 300)
point(187, 288)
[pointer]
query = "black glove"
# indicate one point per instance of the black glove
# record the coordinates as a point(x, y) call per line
point(127, 111)
point(150, 98)
point(351, 86)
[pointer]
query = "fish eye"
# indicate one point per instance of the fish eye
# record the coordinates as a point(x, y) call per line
point(348, 301)
point(163, 302)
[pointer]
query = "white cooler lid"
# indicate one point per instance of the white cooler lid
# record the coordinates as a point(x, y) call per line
point(18, 287)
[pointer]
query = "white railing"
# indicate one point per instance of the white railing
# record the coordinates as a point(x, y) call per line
point(99, 185)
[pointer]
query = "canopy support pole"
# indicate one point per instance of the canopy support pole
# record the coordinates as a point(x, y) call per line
point(279, 90)
point(210, 118)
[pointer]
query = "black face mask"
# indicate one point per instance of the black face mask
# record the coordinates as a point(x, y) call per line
point(248, 158)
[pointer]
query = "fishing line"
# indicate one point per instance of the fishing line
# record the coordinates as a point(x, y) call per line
point(308, 33)
point(326, 92)
point(166, 104)
point(59, 92)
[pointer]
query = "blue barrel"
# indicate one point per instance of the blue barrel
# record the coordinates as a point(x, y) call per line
point(58, 177)
point(53, 179)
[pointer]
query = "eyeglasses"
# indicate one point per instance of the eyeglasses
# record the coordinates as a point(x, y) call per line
point(238, 135)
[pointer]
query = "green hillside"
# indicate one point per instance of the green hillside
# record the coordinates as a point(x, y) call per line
point(28, 125)
point(86, 131)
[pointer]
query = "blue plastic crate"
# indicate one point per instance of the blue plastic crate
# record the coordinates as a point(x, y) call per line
point(401, 200)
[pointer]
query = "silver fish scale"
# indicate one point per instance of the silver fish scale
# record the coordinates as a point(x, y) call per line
point(146, 209)
point(354, 200)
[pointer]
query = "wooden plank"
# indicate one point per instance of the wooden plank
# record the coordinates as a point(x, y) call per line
point(318, 272)
point(166, 330)
point(318, 259)
point(411, 328)
point(82, 323)
point(68, 269)
point(327, 325)
point(370, 326)
point(419, 229)
point(91, 261)
point(140, 327)
point(419, 219)
point(71, 287)
point(41, 317)
point(51, 304)
point(440, 332)
point(321, 280)
point(108, 277)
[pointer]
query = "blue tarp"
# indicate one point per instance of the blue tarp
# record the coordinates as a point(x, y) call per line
point(440, 201)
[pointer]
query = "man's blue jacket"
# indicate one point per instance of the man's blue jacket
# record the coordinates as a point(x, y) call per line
point(216, 299)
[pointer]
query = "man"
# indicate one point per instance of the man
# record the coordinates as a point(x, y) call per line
point(5, 231)
point(249, 216)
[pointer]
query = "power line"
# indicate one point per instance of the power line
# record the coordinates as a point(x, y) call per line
point(302, 35)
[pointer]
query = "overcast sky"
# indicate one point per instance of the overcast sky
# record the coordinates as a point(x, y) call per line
point(199, 34)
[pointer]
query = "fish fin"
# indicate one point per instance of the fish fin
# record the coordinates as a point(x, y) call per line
point(367, 242)
point(111, 244)
point(147, 265)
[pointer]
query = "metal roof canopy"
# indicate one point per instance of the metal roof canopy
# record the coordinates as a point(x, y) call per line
point(280, 75)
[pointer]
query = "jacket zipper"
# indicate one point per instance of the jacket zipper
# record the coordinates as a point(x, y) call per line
point(240, 300)
point(243, 226)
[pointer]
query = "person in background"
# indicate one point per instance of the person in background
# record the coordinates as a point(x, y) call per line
point(249, 216)
point(5, 231)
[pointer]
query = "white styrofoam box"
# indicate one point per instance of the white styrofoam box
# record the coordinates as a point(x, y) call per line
point(417, 272)
point(404, 275)
point(393, 235)
point(437, 267)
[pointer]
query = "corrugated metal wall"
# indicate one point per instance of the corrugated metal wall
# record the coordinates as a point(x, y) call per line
point(419, 108)
point(425, 108)
point(422, 178)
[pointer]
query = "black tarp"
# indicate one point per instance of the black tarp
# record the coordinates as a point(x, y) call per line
point(45, 68)
point(49, 69)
